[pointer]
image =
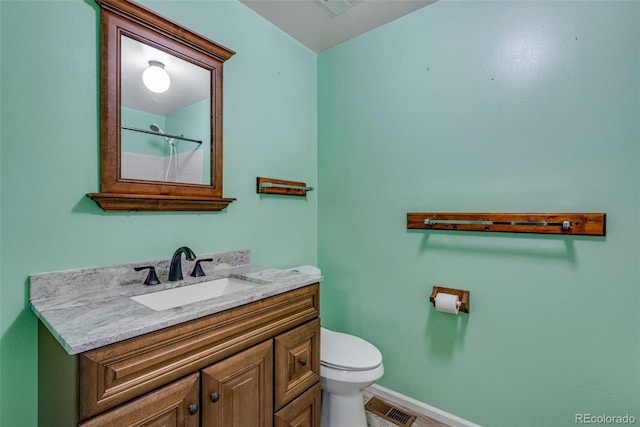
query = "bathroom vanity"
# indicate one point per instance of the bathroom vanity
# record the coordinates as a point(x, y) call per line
point(250, 358)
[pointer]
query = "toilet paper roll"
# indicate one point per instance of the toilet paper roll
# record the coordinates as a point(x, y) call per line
point(447, 303)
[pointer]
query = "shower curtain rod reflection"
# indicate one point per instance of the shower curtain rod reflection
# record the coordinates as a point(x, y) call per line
point(165, 135)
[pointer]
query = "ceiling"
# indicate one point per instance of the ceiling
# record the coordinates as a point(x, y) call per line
point(315, 26)
point(307, 21)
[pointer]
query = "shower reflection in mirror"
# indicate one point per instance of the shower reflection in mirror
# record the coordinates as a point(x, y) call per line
point(165, 136)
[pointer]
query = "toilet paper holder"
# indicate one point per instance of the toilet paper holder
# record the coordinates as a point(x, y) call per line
point(462, 294)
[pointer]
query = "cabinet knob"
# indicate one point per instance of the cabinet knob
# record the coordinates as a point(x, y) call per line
point(215, 397)
point(303, 362)
point(193, 409)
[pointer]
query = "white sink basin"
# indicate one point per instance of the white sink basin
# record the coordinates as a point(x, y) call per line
point(183, 295)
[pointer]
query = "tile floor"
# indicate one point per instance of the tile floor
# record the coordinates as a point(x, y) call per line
point(376, 421)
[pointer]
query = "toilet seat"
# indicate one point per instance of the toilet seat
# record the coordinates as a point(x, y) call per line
point(347, 352)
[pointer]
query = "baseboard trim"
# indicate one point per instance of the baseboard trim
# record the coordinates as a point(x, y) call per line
point(420, 407)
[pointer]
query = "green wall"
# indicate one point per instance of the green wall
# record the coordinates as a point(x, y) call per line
point(461, 106)
point(495, 107)
point(50, 159)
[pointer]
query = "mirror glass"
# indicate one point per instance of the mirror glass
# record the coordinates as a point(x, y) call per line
point(165, 133)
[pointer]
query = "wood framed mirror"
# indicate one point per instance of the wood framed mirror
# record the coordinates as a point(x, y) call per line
point(160, 146)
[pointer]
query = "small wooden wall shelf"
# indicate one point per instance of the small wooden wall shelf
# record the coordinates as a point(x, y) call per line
point(462, 294)
point(116, 202)
point(586, 224)
point(279, 186)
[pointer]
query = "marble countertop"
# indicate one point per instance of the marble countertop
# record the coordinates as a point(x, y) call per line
point(90, 308)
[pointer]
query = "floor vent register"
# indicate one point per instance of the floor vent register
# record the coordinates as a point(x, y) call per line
point(389, 412)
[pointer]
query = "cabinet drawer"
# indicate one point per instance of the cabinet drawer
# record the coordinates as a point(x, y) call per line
point(297, 362)
point(112, 375)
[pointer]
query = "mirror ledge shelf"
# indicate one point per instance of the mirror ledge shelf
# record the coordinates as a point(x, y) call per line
point(114, 202)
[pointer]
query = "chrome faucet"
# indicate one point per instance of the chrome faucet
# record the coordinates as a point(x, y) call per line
point(175, 271)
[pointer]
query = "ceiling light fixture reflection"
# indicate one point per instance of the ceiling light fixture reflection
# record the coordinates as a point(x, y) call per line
point(155, 78)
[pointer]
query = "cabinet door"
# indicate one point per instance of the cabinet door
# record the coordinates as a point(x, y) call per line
point(237, 392)
point(302, 412)
point(297, 361)
point(174, 405)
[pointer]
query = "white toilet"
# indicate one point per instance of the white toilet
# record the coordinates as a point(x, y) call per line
point(348, 365)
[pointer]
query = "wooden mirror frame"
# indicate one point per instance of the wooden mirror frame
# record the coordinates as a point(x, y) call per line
point(123, 17)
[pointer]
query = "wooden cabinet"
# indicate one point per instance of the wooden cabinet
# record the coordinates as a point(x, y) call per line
point(250, 366)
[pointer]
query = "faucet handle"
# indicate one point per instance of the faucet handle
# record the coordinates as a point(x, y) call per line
point(197, 269)
point(152, 278)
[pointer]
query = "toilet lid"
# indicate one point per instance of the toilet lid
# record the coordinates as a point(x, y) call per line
point(348, 352)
